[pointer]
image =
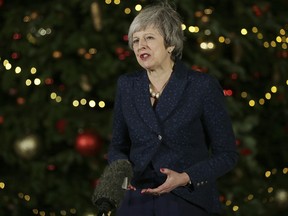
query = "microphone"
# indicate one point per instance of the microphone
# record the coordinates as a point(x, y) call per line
point(112, 186)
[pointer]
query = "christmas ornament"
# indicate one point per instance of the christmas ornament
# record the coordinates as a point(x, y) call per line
point(1, 120)
point(61, 126)
point(85, 84)
point(96, 16)
point(51, 167)
point(27, 147)
point(16, 36)
point(245, 151)
point(88, 143)
point(281, 198)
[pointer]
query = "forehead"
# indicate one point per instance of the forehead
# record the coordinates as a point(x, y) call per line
point(147, 30)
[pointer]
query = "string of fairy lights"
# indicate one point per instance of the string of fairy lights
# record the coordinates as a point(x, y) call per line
point(281, 41)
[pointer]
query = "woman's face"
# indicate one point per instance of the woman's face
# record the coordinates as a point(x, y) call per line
point(149, 49)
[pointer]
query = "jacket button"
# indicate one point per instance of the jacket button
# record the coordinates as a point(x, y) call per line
point(159, 137)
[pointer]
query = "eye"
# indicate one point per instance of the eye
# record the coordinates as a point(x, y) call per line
point(149, 38)
point(135, 41)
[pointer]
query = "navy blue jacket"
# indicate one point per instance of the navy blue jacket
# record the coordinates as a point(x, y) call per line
point(188, 131)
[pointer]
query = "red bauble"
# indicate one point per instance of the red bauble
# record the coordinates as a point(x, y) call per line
point(88, 143)
point(61, 126)
point(245, 151)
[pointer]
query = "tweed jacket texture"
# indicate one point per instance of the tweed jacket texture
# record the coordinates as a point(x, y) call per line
point(188, 131)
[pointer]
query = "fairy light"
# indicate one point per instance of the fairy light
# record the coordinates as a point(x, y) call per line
point(282, 32)
point(7, 65)
point(63, 212)
point(73, 211)
point(252, 103)
point(260, 36)
point(193, 29)
point(117, 2)
point(221, 39)
point(244, 31)
point(244, 94)
point(18, 70)
point(207, 32)
point(273, 89)
point(28, 82)
point(92, 51)
point(138, 7)
point(92, 103)
point(83, 101)
point(254, 29)
point(53, 95)
point(278, 39)
point(227, 40)
point(261, 101)
point(235, 208)
point(270, 189)
point(27, 198)
point(268, 96)
point(250, 197)
point(75, 103)
point(101, 104)
point(57, 54)
point(58, 99)
point(273, 44)
point(127, 11)
point(267, 174)
point(37, 81)
point(183, 27)
point(2, 185)
point(266, 44)
point(228, 203)
point(33, 70)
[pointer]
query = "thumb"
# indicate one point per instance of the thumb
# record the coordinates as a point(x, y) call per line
point(165, 171)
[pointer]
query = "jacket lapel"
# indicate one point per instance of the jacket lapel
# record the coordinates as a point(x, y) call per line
point(143, 103)
point(172, 93)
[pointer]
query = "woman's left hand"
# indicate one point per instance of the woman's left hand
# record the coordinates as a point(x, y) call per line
point(174, 180)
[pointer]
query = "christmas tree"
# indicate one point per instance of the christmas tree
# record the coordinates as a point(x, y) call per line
point(59, 63)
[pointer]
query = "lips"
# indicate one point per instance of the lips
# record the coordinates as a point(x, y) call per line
point(144, 56)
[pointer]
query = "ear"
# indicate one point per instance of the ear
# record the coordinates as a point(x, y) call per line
point(170, 49)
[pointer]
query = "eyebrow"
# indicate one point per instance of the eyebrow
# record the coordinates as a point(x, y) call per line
point(149, 33)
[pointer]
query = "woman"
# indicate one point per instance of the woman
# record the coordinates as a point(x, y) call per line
point(170, 123)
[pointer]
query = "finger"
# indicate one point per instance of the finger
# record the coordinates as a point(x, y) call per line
point(158, 190)
point(130, 187)
point(165, 171)
point(145, 190)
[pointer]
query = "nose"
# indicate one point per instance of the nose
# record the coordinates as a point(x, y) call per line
point(142, 43)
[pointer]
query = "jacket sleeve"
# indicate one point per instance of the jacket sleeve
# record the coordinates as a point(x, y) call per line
point(120, 143)
point(219, 135)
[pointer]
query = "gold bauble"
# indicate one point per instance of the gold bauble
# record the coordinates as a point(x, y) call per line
point(27, 147)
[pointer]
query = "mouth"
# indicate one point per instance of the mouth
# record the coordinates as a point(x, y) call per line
point(144, 56)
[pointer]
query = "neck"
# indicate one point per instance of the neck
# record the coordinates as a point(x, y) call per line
point(158, 81)
point(160, 76)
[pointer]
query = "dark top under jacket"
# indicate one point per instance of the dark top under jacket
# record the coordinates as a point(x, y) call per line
point(188, 131)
